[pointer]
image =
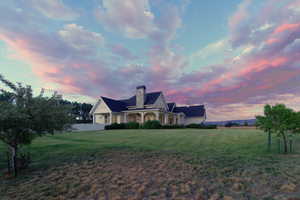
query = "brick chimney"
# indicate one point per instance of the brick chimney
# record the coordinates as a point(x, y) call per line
point(140, 96)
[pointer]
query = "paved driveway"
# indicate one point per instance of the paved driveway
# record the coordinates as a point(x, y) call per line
point(88, 127)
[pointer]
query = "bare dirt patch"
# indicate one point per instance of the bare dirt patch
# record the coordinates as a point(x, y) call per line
point(124, 175)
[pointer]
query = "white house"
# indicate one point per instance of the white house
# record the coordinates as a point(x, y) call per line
point(145, 106)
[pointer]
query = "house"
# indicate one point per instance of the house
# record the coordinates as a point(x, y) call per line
point(145, 106)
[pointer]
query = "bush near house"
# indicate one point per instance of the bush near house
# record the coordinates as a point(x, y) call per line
point(132, 125)
point(129, 125)
point(155, 124)
point(172, 126)
point(231, 124)
point(115, 126)
point(151, 124)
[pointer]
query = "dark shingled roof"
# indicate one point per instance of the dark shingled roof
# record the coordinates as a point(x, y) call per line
point(171, 106)
point(150, 99)
point(121, 105)
point(191, 111)
point(114, 105)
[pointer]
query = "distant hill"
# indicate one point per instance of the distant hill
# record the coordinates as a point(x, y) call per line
point(250, 122)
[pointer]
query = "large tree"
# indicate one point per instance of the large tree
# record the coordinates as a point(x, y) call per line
point(24, 117)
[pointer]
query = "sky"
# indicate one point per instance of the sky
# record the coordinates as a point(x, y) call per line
point(232, 56)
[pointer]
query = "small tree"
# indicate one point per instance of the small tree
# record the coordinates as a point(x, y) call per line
point(265, 123)
point(24, 117)
point(280, 120)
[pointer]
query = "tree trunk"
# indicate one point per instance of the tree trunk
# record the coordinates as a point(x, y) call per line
point(285, 142)
point(13, 159)
point(269, 140)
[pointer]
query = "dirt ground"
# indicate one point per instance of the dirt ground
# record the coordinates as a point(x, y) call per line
point(124, 175)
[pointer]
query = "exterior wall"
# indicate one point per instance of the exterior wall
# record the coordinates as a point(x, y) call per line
point(100, 112)
point(102, 108)
point(99, 119)
point(180, 119)
point(193, 120)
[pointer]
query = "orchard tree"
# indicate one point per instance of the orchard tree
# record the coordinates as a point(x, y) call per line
point(24, 117)
point(265, 123)
point(281, 121)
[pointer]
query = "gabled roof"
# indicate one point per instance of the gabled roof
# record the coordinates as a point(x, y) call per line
point(171, 106)
point(114, 105)
point(191, 111)
point(121, 105)
point(150, 99)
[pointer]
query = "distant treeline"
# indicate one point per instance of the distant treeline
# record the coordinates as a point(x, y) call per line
point(80, 111)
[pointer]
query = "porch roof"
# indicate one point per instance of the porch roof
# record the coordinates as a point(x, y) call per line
point(140, 109)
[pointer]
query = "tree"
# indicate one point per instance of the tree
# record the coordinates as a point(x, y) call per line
point(280, 120)
point(265, 123)
point(24, 117)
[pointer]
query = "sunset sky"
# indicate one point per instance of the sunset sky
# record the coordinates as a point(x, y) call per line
point(234, 56)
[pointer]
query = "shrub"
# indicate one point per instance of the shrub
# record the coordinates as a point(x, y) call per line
point(115, 126)
point(212, 126)
point(230, 124)
point(132, 125)
point(172, 126)
point(151, 124)
point(193, 126)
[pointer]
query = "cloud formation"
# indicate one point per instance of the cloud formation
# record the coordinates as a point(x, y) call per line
point(54, 9)
point(81, 39)
point(132, 18)
point(262, 65)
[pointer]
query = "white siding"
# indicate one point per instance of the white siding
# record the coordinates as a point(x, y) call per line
point(99, 119)
point(193, 120)
point(102, 108)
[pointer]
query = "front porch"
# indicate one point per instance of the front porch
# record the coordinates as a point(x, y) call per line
point(164, 118)
point(140, 117)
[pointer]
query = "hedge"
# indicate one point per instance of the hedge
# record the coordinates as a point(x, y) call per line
point(151, 124)
point(154, 124)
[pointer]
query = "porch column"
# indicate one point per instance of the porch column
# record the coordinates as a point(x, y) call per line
point(157, 116)
point(110, 117)
point(125, 118)
point(166, 118)
point(142, 117)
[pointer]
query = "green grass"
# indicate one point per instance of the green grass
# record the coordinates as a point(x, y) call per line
point(206, 144)
point(182, 163)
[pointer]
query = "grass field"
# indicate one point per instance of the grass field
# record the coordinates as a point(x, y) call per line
point(187, 164)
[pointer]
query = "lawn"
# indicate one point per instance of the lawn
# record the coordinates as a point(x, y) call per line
point(209, 164)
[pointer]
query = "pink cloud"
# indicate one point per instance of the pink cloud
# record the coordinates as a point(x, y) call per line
point(286, 27)
point(272, 41)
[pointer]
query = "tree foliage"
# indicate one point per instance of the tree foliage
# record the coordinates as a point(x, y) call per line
point(24, 117)
point(279, 120)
